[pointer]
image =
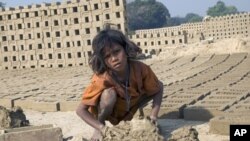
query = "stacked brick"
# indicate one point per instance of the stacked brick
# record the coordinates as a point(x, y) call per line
point(55, 34)
point(211, 28)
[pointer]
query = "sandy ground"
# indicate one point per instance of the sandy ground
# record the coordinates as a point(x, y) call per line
point(234, 45)
point(74, 129)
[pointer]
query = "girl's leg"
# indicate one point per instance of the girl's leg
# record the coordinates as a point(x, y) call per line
point(105, 109)
point(106, 104)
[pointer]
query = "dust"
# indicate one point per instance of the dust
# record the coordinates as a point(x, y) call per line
point(12, 118)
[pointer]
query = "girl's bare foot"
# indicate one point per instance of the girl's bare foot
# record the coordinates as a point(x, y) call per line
point(97, 136)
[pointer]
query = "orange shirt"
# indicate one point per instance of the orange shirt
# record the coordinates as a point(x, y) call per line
point(142, 81)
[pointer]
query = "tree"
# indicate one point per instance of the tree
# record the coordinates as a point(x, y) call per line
point(191, 17)
point(220, 9)
point(2, 4)
point(146, 14)
point(175, 21)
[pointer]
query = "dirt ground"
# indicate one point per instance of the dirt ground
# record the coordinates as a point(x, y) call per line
point(74, 129)
point(233, 45)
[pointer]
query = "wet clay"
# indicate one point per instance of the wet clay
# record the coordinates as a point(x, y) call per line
point(145, 130)
point(135, 130)
point(184, 134)
point(12, 118)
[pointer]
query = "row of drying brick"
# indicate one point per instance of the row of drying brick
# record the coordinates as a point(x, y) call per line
point(200, 64)
point(221, 124)
point(29, 83)
point(213, 105)
point(183, 84)
point(168, 67)
point(36, 93)
point(182, 68)
point(41, 103)
point(242, 105)
point(173, 105)
point(176, 68)
point(201, 104)
point(236, 114)
point(36, 89)
point(187, 69)
point(32, 133)
point(209, 79)
point(178, 99)
point(197, 70)
point(213, 76)
point(54, 104)
point(220, 101)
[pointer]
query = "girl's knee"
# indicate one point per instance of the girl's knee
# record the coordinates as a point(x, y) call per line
point(110, 92)
point(107, 101)
point(109, 95)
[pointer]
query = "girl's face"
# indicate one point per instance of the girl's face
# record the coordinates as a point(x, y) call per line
point(115, 58)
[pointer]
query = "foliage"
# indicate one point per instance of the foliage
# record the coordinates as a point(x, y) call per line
point(191, 17)
point(220, 9)
point(175, 21)
point(146, 14)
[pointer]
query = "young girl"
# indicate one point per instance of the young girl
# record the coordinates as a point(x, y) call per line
point(120, 85)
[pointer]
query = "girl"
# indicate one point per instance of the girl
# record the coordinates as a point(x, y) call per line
point(120, 85)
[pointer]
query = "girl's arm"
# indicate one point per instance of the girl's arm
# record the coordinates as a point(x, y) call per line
point(84, 114)
point(157, 99)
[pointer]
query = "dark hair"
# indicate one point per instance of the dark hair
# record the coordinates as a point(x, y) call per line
point(106, 38)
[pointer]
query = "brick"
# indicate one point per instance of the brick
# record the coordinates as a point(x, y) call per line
point(200, 113)
point(221, 124)
point(69, 105)
point(8, 102)
point(32, 133)
point(46, 106)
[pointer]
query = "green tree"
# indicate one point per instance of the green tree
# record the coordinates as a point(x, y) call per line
point(220, 9)
point(191, 17)
point(2, 4)
point(146, 14)
point(175, 21)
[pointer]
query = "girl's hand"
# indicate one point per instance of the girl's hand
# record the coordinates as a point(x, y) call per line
point(97, 136)
point(153, 119)
point(128, 116)
point(112, 133)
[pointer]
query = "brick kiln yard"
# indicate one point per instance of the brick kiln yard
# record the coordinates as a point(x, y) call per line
point(205, 85)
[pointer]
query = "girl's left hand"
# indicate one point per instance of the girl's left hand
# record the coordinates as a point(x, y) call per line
point(153, 119)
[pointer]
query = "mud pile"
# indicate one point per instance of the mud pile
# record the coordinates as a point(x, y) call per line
point(135, 130)
point(224, 46)
point(145, 130)
point(12, 118)
point(184, 134)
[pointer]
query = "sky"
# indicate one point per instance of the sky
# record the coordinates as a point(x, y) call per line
point(176, 7)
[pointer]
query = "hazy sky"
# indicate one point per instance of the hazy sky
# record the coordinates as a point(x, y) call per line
point(175, 7)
